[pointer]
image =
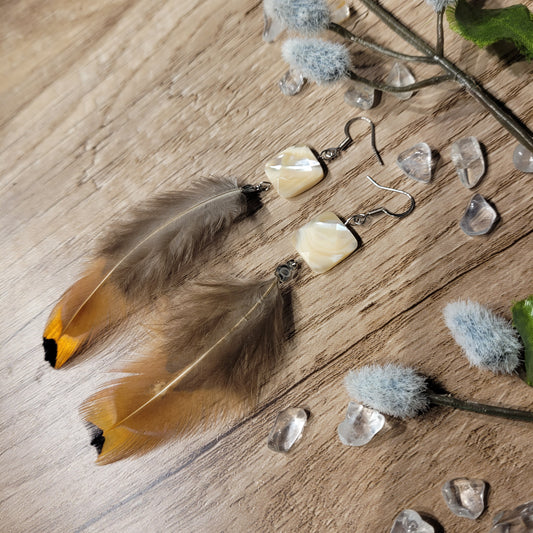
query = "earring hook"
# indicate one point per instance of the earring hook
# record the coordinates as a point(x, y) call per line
point(332, 153)
point(360, 218)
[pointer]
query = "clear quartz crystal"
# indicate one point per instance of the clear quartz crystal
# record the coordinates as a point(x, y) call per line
point(339, 11)
point(465, 497)
point(479, 217)
point(410, 521)
point(399, 76)
point(468, 160)
point(417, 162)
point(287, 429)
point(360, 95)
point(360, 425)
point(523, 159)
point(292, 82)
point(272, 27)
point(519, 520)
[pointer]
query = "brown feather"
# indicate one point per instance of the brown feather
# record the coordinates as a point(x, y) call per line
point(216, 348)
point(139, 258)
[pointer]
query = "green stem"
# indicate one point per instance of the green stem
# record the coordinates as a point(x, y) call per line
point(491, 410)
point(503, 115)
point(343, 32)
point(405, 88)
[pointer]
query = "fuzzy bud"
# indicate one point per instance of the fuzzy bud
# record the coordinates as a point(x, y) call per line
point(440, 5)
point(489, 341)
point(390, 389)
point(307, 17)
point(320, 61)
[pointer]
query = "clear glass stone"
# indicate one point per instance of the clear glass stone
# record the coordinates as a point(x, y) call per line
point(287, 429)
point(410, 521)
point(360, 95)
point(292, 82)
point(523, 159)
point(465, 497)
point(519, 520)
point(479, 217)
point(339, 11)
point(272, 27)
point(417, 162)
point(360, 425)
point(324, 241)
point(399, 76)
point(468, 160)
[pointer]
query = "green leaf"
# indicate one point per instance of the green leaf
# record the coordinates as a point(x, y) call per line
point(523, 322)
point(488, 26)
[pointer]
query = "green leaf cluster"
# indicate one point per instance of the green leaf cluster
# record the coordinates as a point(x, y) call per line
point(488, 26)
point(523, 322)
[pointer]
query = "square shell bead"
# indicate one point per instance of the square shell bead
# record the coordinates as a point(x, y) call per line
point(324, 241)
point(294, 170)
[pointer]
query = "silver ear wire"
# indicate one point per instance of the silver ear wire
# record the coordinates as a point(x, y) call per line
point(332, 153)
point(360, 218)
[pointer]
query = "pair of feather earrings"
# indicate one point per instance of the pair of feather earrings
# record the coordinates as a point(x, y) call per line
point(217, 344)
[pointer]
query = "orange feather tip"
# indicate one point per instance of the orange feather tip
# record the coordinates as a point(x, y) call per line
point(58, 348)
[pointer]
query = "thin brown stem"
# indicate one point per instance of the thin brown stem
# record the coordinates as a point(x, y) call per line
point(440, 33)
point(405, 88)
point(490, 410)
point(347, 34)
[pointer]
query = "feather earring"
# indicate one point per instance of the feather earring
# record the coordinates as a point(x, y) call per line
point(139, 258)
point(216, 348)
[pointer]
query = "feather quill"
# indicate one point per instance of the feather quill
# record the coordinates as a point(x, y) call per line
point(217, 346)
point(138, 258)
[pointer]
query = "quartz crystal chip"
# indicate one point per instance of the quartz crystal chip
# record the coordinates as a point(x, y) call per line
point(465, 497)
point(360, 95)
point(339, 11)
point(519, 520)
point(291, 83)
point(272, 26)
point(523, 159)
point(417, 162)
point(294, 170)
point(399, 76)
point(468, 160)
point(324, 241)
point(479, 217)
point(360, 425)
point(410, 521)
point(287, 429)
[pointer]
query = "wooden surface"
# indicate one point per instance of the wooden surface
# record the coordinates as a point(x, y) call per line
point(104, 103)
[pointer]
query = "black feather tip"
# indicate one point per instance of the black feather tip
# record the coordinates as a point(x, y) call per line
point(97, 438)
point(50, 350)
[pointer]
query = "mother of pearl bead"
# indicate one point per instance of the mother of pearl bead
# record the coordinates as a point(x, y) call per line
point(324, 241)
point(294, 170)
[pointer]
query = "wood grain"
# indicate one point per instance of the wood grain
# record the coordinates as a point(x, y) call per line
point(104, 103)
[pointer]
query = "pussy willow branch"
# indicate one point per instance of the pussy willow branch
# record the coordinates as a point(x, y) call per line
point(491, 410)
point(503, 115)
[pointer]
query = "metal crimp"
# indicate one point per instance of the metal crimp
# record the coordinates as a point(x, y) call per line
point(287, 271)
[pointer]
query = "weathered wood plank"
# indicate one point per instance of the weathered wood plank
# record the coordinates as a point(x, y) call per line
point(103, 105)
